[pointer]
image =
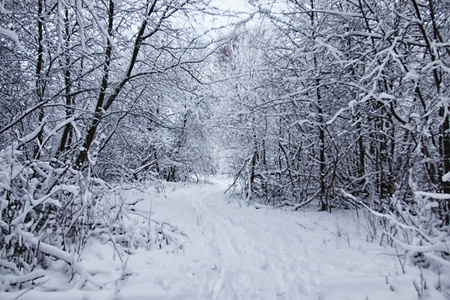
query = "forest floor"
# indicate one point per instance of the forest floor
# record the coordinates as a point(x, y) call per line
point(213, 247)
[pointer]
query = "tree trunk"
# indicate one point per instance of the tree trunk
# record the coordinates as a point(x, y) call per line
point(103, 106)
point(40, 81)
point(66, 138)
point(320, 120)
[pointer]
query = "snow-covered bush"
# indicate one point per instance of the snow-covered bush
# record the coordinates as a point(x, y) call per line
point(420, 230)
point(416, 226)
point(47, 214)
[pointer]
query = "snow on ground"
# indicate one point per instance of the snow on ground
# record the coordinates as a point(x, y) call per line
point(224, 251)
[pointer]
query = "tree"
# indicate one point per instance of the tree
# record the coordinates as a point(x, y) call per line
point(350, 80)
point(74, 94)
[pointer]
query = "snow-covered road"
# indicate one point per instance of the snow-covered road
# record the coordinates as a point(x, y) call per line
point(219, 250)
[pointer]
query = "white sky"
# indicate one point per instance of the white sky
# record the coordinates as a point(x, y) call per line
point(234, 5)
point(238, 10)
point(221, 16)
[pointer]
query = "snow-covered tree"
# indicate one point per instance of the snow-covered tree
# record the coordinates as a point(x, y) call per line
point(91, 90)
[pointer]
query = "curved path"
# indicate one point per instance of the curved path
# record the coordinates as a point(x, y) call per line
point(234, 252)
point(213, 249)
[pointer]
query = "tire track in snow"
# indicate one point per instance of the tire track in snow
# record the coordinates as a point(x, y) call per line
point(227, 255)
point(275, 254)
point(253, 259)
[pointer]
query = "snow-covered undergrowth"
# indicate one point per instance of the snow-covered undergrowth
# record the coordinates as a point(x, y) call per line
point(189, 241)
point(48, 213)
point(417, 231)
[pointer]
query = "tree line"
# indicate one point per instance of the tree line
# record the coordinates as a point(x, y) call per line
point(344, 104)
point(347, 95)
point(93, 93)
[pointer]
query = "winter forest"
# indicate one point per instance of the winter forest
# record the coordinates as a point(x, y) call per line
point(205, 149)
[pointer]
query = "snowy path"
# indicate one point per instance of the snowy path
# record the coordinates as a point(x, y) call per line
point(248, 253)
point(232, 252)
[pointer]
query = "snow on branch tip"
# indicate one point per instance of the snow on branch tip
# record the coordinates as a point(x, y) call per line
point(13, 36)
